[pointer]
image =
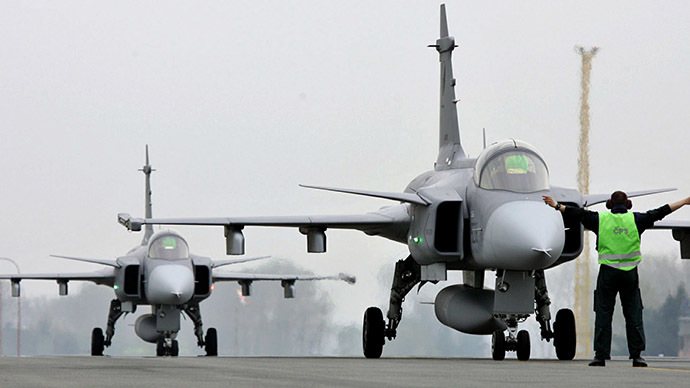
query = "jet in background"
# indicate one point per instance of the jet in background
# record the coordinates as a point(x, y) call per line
point(162, 273)
point(469, 215)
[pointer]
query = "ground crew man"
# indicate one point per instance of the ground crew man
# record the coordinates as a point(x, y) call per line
point(618, 244)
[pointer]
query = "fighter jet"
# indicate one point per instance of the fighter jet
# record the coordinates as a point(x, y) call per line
point(162, 273)
point(469, 215)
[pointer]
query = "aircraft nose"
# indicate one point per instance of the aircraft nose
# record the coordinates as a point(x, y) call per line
point(524, 235)
point(170, 284)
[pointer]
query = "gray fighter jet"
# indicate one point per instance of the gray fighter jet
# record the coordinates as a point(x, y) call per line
point(469, 215)
point(162, 273)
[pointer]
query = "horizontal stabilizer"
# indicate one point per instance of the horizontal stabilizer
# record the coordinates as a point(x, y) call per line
point(593, 199)
point(109, 263)
point(402, 197)
point(221, 263)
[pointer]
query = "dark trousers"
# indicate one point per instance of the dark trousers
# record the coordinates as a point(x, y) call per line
point(610, 282)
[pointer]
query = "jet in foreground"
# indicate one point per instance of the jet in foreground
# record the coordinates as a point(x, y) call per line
point(162, 273)
point(469, 215)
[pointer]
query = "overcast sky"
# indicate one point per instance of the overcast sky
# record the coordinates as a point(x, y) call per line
point(242, 101)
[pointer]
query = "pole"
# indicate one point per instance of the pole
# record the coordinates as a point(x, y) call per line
point(582, 266)
point(19, 312)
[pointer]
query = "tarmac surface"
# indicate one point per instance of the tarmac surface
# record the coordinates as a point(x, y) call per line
point(126, 372)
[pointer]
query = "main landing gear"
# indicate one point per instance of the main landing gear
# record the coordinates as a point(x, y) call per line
point(210, 343)
point(374, 330)
point(98, 341)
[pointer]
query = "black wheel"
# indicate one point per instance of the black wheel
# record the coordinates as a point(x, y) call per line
point(160, 347)
point(97, 342)
point(372, 333)
point(498, 345)
point(175, 350)
point(564, 335)
point(211, 342)
point(523, 346)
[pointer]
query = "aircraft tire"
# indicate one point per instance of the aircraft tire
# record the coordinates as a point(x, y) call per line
point(97, 342)
point(211, 342)
point(523, 346)
point(160, 347)
point(175, 349)
point(372, 333)
point(498, 345)
point(564, 334)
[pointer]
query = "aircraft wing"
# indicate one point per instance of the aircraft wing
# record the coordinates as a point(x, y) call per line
point(105, 277)
point(228, 277)
point(593, 199)
point(110, 263)
point(671, 225)
point(681, 233)
point(221, 263)
point(362, 222)
point(391, 222)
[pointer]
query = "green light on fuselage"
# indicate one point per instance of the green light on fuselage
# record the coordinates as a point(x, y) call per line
point(116, 287)
point(418, 240)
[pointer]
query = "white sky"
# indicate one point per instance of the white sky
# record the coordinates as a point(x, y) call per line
point(241, 101)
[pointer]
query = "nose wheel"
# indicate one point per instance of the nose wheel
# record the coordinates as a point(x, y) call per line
point(167, 347)
point(500, 343)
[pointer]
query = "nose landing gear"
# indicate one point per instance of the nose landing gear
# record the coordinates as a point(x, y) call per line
point(167, 347)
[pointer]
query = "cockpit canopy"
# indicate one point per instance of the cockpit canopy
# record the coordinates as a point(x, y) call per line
point(168, 246)
point(511, 165)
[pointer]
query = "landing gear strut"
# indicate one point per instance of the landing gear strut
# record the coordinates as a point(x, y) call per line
point(114, 314)
point(210, 343)
point(374, 332)
point(563, 333)
point(100, 342)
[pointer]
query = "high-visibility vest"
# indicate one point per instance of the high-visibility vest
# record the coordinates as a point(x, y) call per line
point(619, 241)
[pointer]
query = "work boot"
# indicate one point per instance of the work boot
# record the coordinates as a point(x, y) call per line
point(639, 362)
point(598, 362)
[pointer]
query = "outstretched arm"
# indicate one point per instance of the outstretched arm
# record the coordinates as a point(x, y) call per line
point(551, 202)
point(677, 205)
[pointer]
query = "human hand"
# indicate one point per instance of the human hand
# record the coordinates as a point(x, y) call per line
point(549, 201)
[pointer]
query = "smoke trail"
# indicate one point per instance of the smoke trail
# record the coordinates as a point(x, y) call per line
point(582, 267)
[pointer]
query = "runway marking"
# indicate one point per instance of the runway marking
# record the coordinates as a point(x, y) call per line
point(669, 369)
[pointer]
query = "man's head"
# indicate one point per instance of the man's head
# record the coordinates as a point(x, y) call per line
point(618, 198)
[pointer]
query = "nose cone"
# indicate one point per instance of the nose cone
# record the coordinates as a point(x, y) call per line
point(170, 284)
point(524, 235)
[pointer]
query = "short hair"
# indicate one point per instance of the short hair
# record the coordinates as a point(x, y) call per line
point(619, 198)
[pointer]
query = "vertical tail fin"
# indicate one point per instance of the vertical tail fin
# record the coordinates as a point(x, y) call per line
point(450, 148)
point(148, 232)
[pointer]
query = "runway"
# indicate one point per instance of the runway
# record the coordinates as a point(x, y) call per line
point(125, 372)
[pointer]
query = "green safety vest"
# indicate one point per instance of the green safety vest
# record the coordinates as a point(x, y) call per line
point(619, 241)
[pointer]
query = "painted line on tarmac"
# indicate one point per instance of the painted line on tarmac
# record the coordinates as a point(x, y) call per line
point(667, 369)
